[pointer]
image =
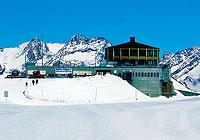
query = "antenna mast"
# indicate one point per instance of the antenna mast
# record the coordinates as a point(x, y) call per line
point(42, 51)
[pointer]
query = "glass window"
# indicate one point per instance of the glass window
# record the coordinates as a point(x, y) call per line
point(148, 74)
point(110, 53)
point(142, 74)
point(134, 53)
point(106, 55)
point(155, 53)
point(157, 74)
point(125, 52)
point(152, 74)
point(117, 51)
point(138, 74)
point(150, 53)
point(142, 52)
point(145, 74)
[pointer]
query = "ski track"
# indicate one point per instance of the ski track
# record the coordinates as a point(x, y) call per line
point(173, 123)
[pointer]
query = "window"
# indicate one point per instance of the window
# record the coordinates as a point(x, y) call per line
point(116, 51)
point(148, 74)
point(145, 74)
point(138, 74)
point(142, 74)
point(106, 54)
point(125, 52)
point(152, 74)
point(150, 53)
point(133, 53)
point(142, 52)
point(157, 74)
point(110, 52)
point(133, 74)
point(155, 53)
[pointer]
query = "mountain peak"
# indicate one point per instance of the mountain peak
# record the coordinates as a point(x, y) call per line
point(82, 49)
point(35, 40)
point(78, 39)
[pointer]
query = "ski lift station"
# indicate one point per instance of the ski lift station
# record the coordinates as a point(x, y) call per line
point(134, 62)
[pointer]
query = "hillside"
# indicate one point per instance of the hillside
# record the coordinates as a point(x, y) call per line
point(185, 66)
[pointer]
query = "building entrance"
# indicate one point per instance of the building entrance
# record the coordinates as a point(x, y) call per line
point(127, 76)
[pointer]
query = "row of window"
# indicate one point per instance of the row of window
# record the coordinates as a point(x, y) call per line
point(145, 74)
point(125, 52)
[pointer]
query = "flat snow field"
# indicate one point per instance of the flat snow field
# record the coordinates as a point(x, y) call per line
point(125, 121)
point(50, 117)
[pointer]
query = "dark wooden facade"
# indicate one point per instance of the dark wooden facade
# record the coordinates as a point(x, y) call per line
point(133, 53)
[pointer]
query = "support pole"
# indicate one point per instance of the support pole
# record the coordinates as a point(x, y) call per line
point(95, 95)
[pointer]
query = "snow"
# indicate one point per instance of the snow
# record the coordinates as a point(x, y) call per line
point(72, 91)
point(124, 121)
point(185, 66)
point(55, 47)
point(88, 90)
point(95, 89)
point(77, 57)
point(179, 86)
point(9, 58)
point(69, 110)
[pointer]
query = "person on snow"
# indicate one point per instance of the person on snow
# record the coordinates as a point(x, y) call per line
point(36, 81)
point(33, 82)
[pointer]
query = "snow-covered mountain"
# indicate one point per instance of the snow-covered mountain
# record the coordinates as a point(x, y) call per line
point(185, 66)
point(34, 51)
point(79, 50)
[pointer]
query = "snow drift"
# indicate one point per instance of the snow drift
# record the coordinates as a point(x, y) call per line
point(94, 89)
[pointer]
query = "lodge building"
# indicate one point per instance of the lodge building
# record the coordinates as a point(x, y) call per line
point(133, 53)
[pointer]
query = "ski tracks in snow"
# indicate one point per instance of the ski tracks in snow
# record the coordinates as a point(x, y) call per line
point(173, 122)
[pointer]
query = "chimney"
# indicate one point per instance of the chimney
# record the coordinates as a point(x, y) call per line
point(132, 40)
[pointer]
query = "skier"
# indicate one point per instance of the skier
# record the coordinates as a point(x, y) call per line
point(33, 81)
point(26, 84)
point(36, 81)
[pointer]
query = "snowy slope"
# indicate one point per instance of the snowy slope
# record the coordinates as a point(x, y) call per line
point(55, 47)
point(89, 90)
point(141, 121)
point(9, 59)
point(179, 86)
point(185, 67)
point(95, 89)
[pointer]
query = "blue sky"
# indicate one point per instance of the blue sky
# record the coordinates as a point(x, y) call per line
point(171, 25)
